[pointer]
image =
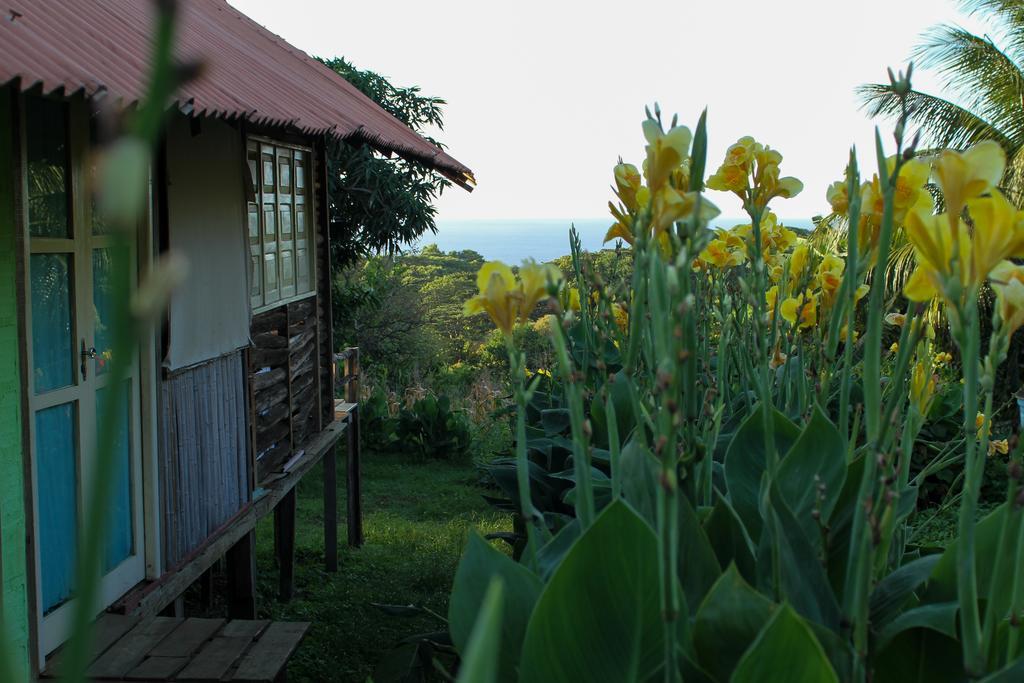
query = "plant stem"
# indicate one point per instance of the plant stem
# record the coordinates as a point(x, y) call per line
point(967, 583)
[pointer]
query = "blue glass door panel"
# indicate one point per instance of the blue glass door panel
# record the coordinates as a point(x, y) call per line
point(57, 496)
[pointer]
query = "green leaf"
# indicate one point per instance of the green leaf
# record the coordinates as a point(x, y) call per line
point(785, 650)
point(939, 617)
point(698, 157)
point(728, 620)
point(599, 617)
point(729, 539)
point(892, 592)
point(555, 421)
point(639, 472)
point(919, 655)
point(1011, 673)
point(551, 555)
point(481, 655)
point(818, 458)
point(618, 389)
point(942, 583)
point(803, 579)
point(841, 525)
point(698, 566)
point(480, 564)
point(745, 464)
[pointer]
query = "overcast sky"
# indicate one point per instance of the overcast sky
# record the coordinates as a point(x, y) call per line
point(543, 97)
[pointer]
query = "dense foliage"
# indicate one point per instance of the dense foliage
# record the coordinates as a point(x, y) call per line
point(982, 81)
point(722, 480)
point(378, 203)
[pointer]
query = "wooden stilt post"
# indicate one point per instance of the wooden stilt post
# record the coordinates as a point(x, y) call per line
point(354, 483)
point(284, 522)
point(242, 578)
point(353, 467)
point(331, 510)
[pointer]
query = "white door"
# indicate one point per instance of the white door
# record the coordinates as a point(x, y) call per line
point(68, 311)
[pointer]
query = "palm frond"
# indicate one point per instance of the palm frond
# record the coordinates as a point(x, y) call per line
point(942, 123)
point(978, 74)
point(1008, 15)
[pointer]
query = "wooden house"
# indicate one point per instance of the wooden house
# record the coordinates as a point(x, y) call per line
point(233, 398)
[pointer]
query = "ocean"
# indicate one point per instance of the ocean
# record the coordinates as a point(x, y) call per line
point(542, 239)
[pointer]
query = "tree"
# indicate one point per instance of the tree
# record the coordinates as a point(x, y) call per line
point(380, 203)
point(982, 87)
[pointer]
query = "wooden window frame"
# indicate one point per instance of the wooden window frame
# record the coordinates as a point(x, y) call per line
point(260, 198)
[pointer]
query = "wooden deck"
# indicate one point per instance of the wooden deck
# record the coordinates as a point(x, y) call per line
point(174, 649)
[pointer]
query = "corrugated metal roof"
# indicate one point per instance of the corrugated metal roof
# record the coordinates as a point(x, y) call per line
point(104, 47)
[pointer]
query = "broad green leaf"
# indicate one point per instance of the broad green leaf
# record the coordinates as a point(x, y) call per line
point(555, 421)
point(599, 617)
point(939, 617)
point(480, 564)
point(639, 472)
point(942, 582)
point(892, 592)
point(840, 526)
point(815, 466)
point(745, 464)
point(698, 566)
point(481, 655)
point(618, 388)
point(551, 555)
point(727, 622)
point(1011, 673)
point(919, 655)
point(730, 540)
point(785, 650)
point(803, 579)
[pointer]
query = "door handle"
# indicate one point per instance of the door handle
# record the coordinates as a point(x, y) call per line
point(88, 353)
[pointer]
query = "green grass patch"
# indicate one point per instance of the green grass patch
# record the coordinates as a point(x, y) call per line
point(415, 520)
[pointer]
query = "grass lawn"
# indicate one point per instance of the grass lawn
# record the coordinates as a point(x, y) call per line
point(415, 520)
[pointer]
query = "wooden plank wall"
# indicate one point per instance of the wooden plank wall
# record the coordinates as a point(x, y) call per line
point(204, 452)
point(285, 377)
point(323, 285)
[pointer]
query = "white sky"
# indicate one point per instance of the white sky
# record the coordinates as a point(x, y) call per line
point(543, 97)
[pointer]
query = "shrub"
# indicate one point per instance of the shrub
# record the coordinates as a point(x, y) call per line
point(431, 430)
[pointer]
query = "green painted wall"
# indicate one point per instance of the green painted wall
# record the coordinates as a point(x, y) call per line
point(12, 497)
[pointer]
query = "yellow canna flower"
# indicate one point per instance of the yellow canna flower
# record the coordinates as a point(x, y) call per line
point(982, 425)
point(1001, 446)
point(627, 184)
point(1007, 281)
point(894, 347)
point(923, 383)
point(506, 298)
point(718, 254)
point(621, 314)
point(935, 245)
point(499, 295)
point(897, 319)
point(964, 176)
point(910, 191)
point(665, 152)
point(838, 197)
point(805, 308)
point(729, 178)
point(942, 358)
point(574, 299)
point(623, 226)
point(771, 296)
point(997, 234)
point(534, 280)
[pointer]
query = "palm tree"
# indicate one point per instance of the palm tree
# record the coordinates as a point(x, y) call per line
point(982, 87)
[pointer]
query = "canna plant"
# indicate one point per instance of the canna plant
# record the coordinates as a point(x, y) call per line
point(740, 502)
